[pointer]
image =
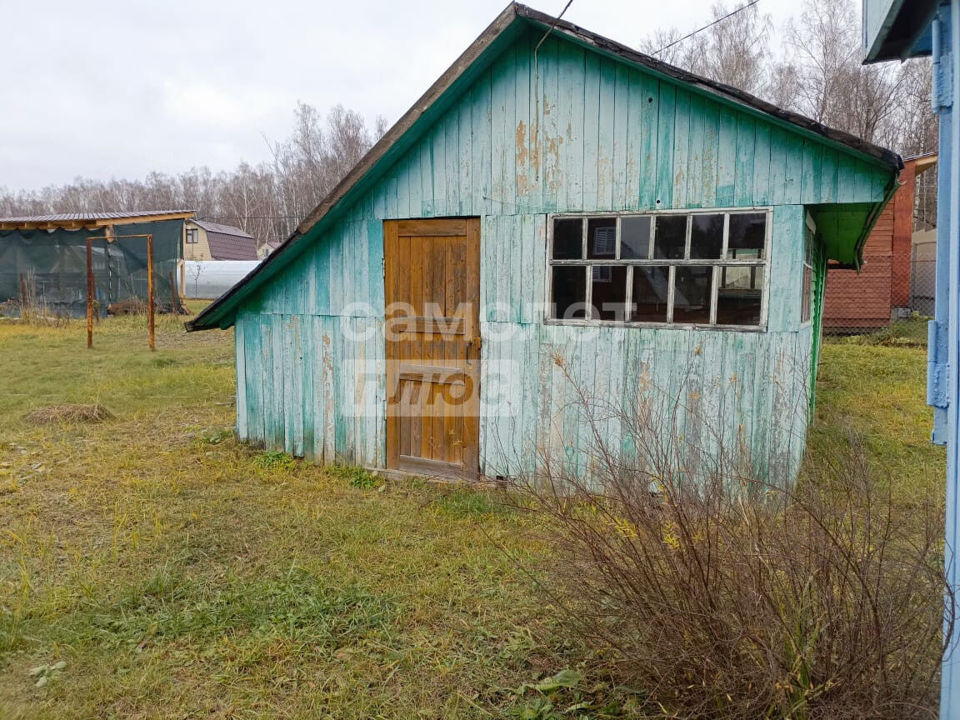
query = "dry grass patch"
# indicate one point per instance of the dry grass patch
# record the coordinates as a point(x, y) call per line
point(69, 413)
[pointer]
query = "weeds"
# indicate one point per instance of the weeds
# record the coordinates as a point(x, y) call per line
point(466, 502)
point(30, 305)
point(728, 596)
point(356, 477)
point(275, 460)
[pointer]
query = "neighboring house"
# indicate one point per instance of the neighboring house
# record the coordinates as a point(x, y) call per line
point(881, 290)
point(43, 258)
point(558, 211)
point(203, 240)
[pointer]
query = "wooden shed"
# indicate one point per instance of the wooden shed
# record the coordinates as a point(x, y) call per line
point(558, 213)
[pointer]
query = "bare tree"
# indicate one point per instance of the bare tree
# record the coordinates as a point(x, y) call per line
point(732, 51)
point(833, 86)
point(818, 73)
point(267, 200)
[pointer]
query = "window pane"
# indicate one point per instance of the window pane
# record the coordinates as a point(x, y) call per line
point(807, 293)
point(747, 234)
point(739, 295)
point(650, 288)
point(568, 239)
point(609, 292)
point(706, 236)
point(602, 238)
point(671, 237)
point(569, 292)
point(691, 295)
point(635, 238)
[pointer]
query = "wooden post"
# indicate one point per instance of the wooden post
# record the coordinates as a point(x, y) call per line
point(150, 288)
point(89, 293)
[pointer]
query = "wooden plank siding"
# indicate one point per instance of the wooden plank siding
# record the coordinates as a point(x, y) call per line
point(568, 131)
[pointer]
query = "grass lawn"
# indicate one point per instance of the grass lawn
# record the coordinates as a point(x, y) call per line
point(879, 393)
point(179, 574)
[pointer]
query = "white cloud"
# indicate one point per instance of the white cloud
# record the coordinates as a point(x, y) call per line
point(112, 88)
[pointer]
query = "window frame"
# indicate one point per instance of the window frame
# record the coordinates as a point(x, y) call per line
point(194, 233)
point(671, 264)
point(809, 257)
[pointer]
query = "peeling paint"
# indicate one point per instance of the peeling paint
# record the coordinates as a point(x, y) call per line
point(667, 157)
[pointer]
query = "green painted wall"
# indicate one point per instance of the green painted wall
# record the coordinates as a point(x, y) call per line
point(601, 136)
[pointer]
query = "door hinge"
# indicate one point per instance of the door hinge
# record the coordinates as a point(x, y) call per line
point(937, 375)
point(941, 79)
point(943, 84)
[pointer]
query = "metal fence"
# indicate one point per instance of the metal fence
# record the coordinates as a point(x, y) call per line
point(891, 298)
point(50, 268)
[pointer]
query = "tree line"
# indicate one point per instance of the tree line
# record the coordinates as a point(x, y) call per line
point(810, 65)
point(267, 200)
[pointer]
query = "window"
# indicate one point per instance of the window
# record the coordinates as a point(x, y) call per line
point(192, 234)
point(806, 306)
point(704, 268)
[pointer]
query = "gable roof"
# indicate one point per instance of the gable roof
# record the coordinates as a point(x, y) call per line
point(228, 242)
point(506, 27)
point(222, 229)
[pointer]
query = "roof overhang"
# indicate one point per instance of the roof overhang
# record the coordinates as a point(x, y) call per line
point(90, 223)
point(897, 29)
point(922, 163)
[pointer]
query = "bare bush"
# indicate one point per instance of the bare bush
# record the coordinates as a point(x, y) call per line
point(721, 595)
point(30, 305)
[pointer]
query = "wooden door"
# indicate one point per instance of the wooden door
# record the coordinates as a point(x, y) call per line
point(432, 294)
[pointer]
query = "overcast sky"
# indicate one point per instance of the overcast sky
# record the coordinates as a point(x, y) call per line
point(117, 88)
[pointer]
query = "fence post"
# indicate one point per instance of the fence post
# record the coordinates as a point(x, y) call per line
point(89, 293)
point(150, 288)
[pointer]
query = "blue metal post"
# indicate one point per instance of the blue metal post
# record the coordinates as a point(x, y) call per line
point(944, 381)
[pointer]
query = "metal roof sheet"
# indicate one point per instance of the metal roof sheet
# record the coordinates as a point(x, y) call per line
point(222, 229)
point(80, 217)
point(224, 246)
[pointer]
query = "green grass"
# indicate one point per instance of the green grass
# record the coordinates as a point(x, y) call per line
point(180, 574)
point(909, 332)
point(878, 393)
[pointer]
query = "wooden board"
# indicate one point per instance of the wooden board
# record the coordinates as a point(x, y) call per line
point(431, 301)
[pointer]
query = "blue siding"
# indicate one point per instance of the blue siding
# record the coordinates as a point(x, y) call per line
point(597, 136)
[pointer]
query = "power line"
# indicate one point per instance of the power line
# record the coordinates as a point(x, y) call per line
point(250, 217)
point(552, 27)
point(535, 124)
point(705, 27)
